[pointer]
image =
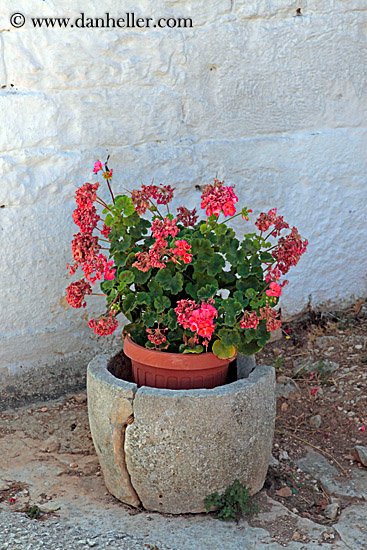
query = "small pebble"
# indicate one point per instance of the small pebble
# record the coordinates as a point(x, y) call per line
point(316, 421)
point(80, 397)
point(358, 346)
point(283, 455)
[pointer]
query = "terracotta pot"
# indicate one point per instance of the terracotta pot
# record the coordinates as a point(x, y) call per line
point(175, 371)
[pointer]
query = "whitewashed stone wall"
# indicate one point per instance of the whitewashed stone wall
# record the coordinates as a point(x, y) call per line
point(270, 100)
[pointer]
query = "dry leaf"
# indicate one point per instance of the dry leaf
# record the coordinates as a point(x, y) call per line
point(285, 492)
point(191, 342)
point(350, 457)
point(358, 306)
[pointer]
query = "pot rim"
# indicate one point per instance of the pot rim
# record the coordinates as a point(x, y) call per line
point(168, 360)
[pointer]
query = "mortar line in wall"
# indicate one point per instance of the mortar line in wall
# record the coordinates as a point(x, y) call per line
point(261, 137)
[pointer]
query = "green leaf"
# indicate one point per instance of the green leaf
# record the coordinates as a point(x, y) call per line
point(229, 337)
point(266, 257)
point(221, 229)
point(128, 303)
point(107, 285)
point(109, 220)
point(155, 289)
point(171, 319)
point(169, 282)
point(232, 309)
point(149, 317)
point(143, 298)
point(232, 251)
point(123, 244)
point(227, 277)
point(206, 292)
point(188, 349)
point(141, 277)
point(243, 269)
point(222, 351)
point(250, 293)
point(125, 204)
point(161, 303)
point(239, 297)
point(215, 265)
point(191, 290)
point(126, 277)
point(202, 249)
point(249, 348)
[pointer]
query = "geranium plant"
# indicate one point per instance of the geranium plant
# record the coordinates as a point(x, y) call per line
point(186, 285)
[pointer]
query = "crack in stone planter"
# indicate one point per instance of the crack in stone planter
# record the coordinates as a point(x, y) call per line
point(182, 444)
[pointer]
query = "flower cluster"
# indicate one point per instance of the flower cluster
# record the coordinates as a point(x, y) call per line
point(156, 336)
point(85, 215)
point(270, 316)
point(161, 230)
point(198, 318)
point(104, 325)
point(251, 319)
point(217, 198)
point(84, 248)
point(86, 253)
point(100, 267)
point(76, 292)
point(142, 198)
point(265, 220)
point(182, 251)
point(186, 217)
point(289, 250)
point(184, 310)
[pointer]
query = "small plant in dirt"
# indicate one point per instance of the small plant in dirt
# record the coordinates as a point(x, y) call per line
point(186, 285)
point(278, 364)
point(233, 503)
point(322, 372)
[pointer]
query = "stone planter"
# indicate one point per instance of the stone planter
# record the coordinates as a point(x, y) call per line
point(169, 449)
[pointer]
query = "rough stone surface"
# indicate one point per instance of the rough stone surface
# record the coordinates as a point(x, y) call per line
point(286, 386)
point(184, 445)
point(361, 452)
point(309, 365)
point(51, 445)
point(331, 510)
point(270, 101)
point(317, 465)
point(89, 515)
point(352, 526)
point(110, 404)
point(245, 365)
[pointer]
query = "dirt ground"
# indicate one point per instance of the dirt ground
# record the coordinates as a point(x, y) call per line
point(320, 362)
point(327, 410)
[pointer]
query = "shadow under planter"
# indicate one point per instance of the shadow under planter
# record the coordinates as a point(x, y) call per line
point(169, 449)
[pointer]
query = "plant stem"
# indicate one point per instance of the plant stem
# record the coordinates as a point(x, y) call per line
point(231, 218)
point(109, 187)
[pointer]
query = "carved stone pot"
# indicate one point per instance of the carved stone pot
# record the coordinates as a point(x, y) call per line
point(169, 449)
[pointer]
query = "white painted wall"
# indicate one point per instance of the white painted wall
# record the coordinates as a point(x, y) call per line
point(272, 102)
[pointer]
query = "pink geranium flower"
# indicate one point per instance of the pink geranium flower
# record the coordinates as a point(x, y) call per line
point(274, 290)
point(97, 166)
